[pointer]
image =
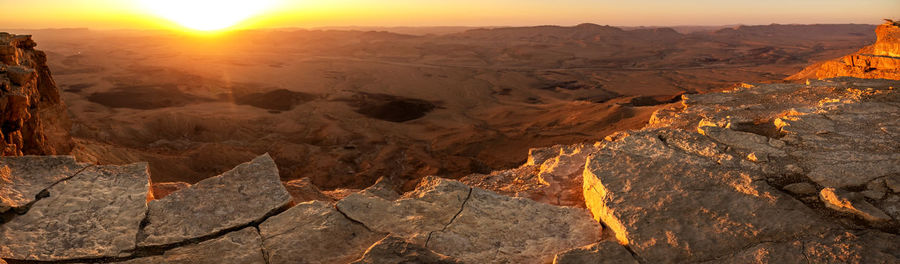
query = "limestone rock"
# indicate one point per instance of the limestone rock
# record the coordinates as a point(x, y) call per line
point(303, 190)
point(95, 214)
point(243, 246)
point(161, 190)
point(314, 232)
point(243, 195)
point(396, 250)
point(23, 178)
point(669, 204)
point(842, 201)
point(474, 225)
point(606, 252)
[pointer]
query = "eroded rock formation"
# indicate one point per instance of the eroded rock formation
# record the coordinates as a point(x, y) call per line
point(33, 119)
point(880, 60)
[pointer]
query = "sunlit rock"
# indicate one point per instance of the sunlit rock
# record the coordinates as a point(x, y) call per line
point(243, 195)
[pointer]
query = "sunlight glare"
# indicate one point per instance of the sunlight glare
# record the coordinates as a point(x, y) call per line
point(207, 15)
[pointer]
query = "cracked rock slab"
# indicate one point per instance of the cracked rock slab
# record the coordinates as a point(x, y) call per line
point(94, 214)
point(606, 252)
point(475, 225)
point(243, 246)
point(393, 249)
point(23, 178)
point(243, 195)
point(669, 204)
point(314, 232)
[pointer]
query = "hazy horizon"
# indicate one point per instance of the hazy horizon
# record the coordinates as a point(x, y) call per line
point(273, 14)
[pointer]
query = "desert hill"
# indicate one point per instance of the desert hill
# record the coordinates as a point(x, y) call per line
point(757, 173)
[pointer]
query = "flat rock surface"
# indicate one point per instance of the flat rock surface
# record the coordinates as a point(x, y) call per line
point(23, 178)
point(606, 252)
point(314, 232)
point(479, 226)
point(397, 250)
point(243, 195)
point(94, 214)
point(243, 246)
point(670, 204)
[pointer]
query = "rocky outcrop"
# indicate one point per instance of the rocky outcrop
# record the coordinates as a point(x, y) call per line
point(880, 60)
point(33, 119)
point(733, 176)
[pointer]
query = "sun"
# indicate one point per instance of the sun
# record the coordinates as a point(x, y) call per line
point(207, 15)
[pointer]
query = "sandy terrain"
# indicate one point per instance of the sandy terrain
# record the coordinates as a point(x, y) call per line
point(346, 107)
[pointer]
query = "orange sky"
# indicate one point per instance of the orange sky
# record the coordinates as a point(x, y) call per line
point(125, 14)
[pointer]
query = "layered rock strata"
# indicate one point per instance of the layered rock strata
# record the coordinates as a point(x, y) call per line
point(33, 118)
point(878, 61)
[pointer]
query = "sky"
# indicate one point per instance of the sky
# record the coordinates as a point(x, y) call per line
point(154, 14)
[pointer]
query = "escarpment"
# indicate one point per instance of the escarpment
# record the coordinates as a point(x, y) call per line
point(33, 119)
point(880, 60)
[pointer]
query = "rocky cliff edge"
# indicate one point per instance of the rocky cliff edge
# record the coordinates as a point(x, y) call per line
point(33, 118)
point(878, 61)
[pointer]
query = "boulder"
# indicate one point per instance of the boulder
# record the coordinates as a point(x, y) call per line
point(246, 194)
point(242, 246)
point(474, 225)
point(23, 178)
point(393, 249)
point(314, 232)
point(95, 214)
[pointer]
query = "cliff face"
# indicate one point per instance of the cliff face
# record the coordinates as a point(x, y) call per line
point(878, 61)
point(33, 119)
